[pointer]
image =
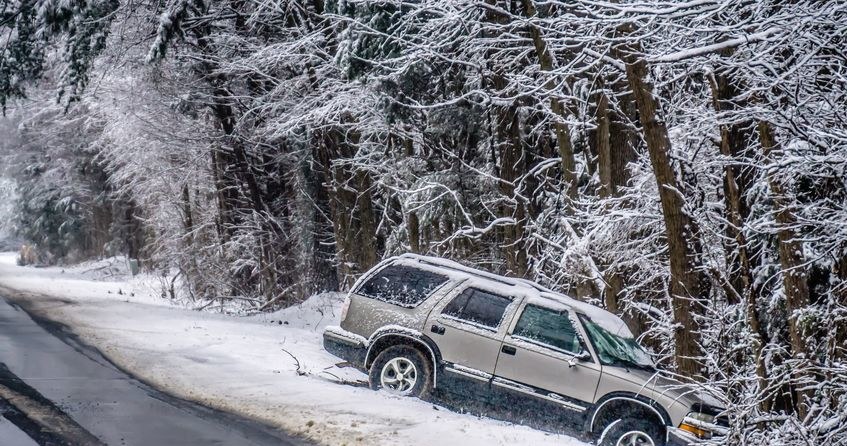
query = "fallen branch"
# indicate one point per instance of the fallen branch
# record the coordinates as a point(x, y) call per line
point(296, 362)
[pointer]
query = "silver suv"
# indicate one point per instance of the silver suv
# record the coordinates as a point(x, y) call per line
point(416, 324)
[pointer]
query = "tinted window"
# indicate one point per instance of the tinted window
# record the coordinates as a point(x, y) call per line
point(550, 327)
point(479, 307)
point(402, 285)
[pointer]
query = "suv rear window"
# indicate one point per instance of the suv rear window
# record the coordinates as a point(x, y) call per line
point(548, 327)
point(478, 307)
point(402, 285)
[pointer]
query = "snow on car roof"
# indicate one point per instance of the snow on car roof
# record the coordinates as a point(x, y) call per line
point(455, 266)
point(609, 321)
point(538, 294)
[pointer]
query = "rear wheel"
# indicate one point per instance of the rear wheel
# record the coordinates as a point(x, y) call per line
point(401, 370)
point(632, 432)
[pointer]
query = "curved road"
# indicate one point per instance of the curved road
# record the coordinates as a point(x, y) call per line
point(56, 391)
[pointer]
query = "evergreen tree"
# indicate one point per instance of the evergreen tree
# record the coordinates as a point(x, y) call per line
point(34, 31)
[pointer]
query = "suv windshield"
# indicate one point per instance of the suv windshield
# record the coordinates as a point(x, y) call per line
point(616, 350)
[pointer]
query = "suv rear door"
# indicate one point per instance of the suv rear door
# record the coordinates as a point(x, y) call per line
point(540, 354)
point(468, 327)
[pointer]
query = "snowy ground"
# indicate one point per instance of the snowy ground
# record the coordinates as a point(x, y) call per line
point(271, 367)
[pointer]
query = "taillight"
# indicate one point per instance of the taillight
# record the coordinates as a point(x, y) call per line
point(345, 307)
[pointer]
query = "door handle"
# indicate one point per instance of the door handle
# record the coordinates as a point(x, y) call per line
point(509, 350)
point(437, 329)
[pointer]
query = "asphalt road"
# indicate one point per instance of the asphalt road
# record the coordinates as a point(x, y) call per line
point(56, 391)
point(10, 434)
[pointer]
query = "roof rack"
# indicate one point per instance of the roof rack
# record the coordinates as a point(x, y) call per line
point(455, 266)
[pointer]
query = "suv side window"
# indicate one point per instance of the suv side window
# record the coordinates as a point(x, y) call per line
point(402, 285)
point(548, 327)
point(478, 307)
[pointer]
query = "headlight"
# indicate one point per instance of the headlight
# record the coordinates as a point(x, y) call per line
point(700, 424)
point(701, 417)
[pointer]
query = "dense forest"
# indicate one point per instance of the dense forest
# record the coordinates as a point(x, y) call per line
point(680, 163)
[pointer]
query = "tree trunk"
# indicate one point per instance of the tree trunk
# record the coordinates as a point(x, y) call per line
point(225, 194)
point(512, 166)
point(732, 146)
point(687, 285)
point(791, 259)
point(350, 205)
point(413, 226)
point(242, 169)
point(608, 189)
point(614, 148)
point(236, 171)
point(412, 222)
point(614, 151)
point(839, 348)
point(604, 151)
point(585, 286)
point(623, 140)
point(324, 276)
point(187, 218)
point(563, 133)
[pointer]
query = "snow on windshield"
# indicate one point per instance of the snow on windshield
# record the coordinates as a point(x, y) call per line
point(614, 348)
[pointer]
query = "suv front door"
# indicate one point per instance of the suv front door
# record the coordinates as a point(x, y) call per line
point(544, 356)
point(468, 327)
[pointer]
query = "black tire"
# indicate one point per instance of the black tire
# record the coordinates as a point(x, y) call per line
point(622, 431)
point(402, 354)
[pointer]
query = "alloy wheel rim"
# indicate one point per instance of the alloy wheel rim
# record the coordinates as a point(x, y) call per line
point(399, 376)
point(635, 438)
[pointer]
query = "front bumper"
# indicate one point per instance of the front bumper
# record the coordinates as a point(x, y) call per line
point(679, 437)
point(347, 346)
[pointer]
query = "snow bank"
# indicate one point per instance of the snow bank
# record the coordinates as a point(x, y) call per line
point(271, 367)
point(104, 279)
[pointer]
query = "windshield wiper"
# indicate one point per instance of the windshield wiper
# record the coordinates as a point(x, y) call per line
point(627, 363)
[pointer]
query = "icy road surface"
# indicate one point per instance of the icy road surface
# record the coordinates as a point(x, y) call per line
point(58, 391)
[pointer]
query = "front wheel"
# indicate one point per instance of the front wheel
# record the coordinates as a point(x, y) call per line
point(632, 432)
point(401, 370)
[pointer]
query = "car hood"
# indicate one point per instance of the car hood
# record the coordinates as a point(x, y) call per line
point(676, 396)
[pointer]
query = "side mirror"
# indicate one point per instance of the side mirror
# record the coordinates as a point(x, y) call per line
point(581, 356)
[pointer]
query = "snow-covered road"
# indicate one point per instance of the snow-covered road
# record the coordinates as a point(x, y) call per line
point(60, 392)
point(270, 367)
